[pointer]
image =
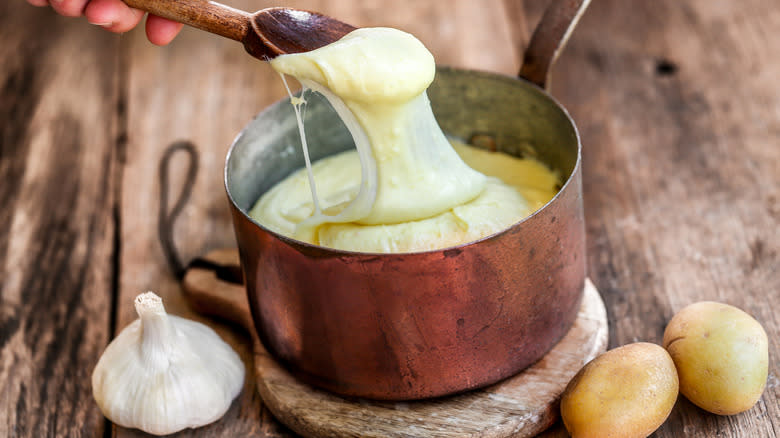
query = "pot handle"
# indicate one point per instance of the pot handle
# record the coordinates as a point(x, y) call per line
point(549, 39)
point(213, 284)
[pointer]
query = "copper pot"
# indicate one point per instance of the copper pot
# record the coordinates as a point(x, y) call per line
point(416, 325)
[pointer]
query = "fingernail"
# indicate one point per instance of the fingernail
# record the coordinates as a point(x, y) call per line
point(108, 24)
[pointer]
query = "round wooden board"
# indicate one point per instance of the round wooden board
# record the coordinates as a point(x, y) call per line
point(520, 406)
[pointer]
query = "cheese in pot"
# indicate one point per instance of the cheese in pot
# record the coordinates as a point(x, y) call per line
point(404, 188)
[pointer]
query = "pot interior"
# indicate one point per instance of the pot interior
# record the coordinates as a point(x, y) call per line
point(484, 109)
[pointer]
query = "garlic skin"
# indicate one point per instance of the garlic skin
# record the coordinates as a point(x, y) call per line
point(164, 373)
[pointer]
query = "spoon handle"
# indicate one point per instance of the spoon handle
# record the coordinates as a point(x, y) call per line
point(202, 14)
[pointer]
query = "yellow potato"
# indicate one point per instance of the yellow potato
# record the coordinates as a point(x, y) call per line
point(721, 354)
point(626, 392)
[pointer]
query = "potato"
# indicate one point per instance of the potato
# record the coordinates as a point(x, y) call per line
point(721, 354)
point(626, 392)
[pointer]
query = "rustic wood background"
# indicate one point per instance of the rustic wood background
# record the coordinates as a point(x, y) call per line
point(678, 104)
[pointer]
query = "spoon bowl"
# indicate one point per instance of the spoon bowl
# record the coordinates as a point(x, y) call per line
point(287, 30)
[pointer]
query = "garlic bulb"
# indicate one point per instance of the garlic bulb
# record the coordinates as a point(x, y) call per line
point(164, 373)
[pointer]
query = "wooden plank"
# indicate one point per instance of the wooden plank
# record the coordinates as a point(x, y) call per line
point(58, 161)
point(205, 89)
point(678, 105)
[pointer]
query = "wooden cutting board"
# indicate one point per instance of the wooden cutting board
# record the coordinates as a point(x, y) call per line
point(520, 406)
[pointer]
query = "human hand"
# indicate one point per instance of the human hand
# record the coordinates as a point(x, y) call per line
point(115, 16)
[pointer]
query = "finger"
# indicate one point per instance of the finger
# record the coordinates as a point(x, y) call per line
point(161, 31)
point(38, 2)
point(113, 15)
point(69, 8)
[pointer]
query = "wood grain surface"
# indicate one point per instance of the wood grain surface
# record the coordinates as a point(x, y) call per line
point(58, 164)
point(678, 105)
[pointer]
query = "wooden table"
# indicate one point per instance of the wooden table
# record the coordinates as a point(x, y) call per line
point(678, 104)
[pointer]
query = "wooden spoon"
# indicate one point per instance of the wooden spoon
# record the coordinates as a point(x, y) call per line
point(265, 34)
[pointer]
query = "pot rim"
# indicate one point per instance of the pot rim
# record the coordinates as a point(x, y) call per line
point(346, 253)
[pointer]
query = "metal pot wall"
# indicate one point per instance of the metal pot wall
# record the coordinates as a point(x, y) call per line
point(417, 325)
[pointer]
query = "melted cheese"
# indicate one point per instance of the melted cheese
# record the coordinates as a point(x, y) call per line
point(405, 189)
